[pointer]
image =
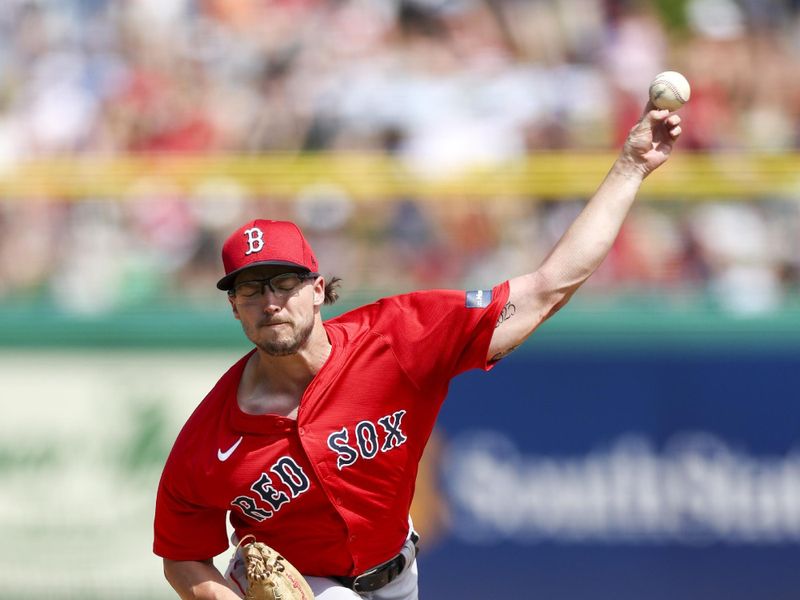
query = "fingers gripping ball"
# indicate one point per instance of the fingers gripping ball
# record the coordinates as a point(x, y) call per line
point(670, 90)
point(271, 577)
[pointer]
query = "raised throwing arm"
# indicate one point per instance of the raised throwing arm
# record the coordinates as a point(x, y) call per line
point(537, 296)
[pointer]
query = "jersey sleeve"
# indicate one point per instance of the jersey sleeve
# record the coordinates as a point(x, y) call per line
point(441, 333)
point(184, 528)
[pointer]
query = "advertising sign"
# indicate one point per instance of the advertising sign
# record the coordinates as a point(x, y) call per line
point(621, 474)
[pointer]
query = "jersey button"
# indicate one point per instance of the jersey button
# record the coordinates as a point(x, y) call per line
point(339, 501)
point(302, 431)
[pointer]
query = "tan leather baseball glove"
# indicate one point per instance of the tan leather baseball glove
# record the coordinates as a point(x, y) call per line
point(270, 576)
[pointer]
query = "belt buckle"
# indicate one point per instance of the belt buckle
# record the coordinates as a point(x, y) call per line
point(359, 583)
point(362, 582)
point(386, 571)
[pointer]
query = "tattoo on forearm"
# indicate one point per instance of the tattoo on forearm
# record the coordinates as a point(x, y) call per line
point(504, 353)
point(509, 310)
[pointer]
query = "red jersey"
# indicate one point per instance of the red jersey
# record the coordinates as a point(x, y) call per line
point(331, 490)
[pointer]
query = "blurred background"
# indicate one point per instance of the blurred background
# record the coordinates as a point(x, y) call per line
point(648, 435)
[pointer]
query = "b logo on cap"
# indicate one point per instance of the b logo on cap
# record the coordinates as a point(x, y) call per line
point(255, 240)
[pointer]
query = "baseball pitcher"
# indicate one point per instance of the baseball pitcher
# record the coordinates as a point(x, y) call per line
point(310, 443)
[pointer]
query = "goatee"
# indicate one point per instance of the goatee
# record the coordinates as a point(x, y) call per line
point(287, 347)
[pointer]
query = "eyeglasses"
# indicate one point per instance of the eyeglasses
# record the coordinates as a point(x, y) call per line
point(281, 285)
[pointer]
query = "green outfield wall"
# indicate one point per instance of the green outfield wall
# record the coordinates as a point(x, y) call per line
point(634, 321)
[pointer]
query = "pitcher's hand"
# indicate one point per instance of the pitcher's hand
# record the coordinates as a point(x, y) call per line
point(650, 141)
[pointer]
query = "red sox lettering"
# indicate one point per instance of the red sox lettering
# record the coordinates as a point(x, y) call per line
point(367, 445)
point(291, 475)
point(367, 439)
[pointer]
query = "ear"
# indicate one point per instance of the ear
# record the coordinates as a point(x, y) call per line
point(319, 291)
point(234, 308)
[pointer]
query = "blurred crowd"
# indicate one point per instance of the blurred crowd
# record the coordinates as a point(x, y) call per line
point(436, 84)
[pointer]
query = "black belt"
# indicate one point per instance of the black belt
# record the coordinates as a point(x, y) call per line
point(379, 576)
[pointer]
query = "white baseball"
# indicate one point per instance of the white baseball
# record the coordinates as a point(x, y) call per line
point(670, 90)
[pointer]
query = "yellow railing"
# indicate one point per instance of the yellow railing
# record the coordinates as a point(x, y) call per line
point(368, 177)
